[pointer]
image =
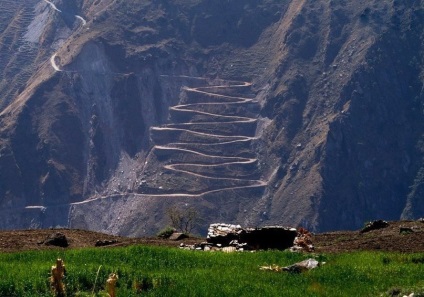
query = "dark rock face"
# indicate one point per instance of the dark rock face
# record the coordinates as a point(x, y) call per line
point(220, 22)
point(364, 151)
point(383, 105)
point(328, 135)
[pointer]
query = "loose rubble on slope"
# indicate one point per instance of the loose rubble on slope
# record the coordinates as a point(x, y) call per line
point(230, 238)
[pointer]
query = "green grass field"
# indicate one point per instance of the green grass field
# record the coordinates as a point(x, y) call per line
point(174, 272)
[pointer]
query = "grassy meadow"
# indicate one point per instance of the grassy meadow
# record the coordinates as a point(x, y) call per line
point(159, 271)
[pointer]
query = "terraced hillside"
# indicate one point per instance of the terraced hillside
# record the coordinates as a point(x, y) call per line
point(207, 145)
point(17, 48)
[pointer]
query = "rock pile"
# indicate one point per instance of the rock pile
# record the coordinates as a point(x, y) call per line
point(56, 239)
point(231, 238)
point(303, 241)
point(105, 242)
point(223, 234)
point(203, 246)
point(374, 225)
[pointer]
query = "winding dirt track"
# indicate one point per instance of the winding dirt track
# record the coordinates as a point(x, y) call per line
point(53, 57)
point(224, 179)
point(196, 159)
point(219, 122)
point(52, 6)
point(53, 63)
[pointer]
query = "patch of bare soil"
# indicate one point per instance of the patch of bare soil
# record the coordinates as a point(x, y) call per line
point(25, 240)
point(411, 239)
point(402, 236)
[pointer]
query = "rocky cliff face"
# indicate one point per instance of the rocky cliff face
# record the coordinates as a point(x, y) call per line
point(351, 104)
point(254, 112)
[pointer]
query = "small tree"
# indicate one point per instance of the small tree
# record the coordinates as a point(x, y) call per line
point(183, 220)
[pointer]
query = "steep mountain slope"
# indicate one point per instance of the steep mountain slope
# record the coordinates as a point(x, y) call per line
point(257, 112)
point(352, 97)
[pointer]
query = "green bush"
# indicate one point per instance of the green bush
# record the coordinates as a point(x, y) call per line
point(166, 233)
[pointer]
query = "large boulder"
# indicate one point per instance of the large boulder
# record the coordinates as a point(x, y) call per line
point(56, 239)
point(177, 236)
point(299, 267)
point(302, 266)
